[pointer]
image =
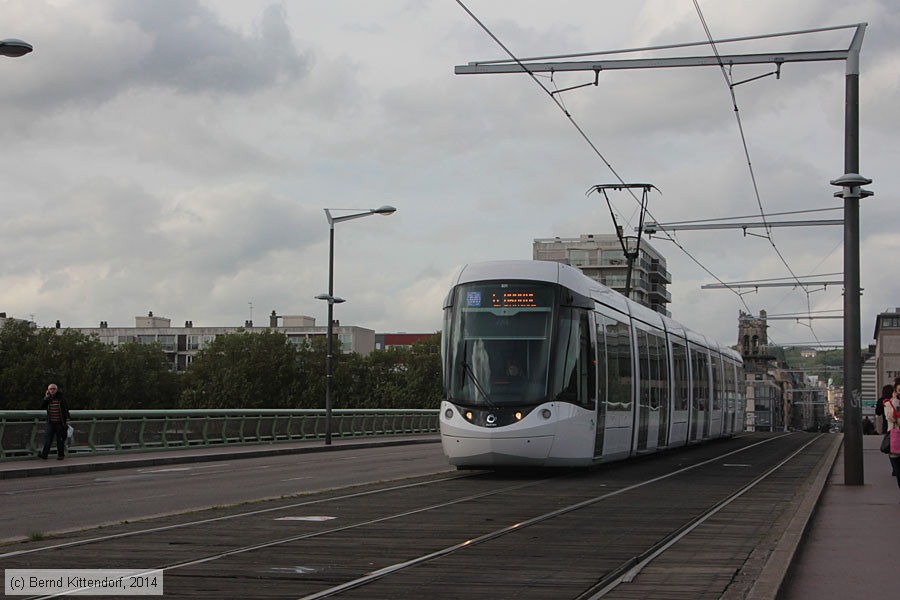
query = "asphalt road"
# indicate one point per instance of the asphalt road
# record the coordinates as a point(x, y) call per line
point(76, 501)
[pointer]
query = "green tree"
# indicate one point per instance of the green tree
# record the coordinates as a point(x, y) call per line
point(244, 371)
point(25, 358)
point(137, 376)
point(90, 374)
point(310, 392)
point(424, 386)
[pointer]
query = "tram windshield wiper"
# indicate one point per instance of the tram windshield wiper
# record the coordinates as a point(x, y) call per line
point(471, 373)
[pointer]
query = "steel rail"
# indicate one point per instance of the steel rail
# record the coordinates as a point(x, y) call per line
point(315, 534)
point(381, 573)
point(631, 568)
point(250, 513)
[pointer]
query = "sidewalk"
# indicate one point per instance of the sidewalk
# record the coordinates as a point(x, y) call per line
point(851, 535)
point(80, 463)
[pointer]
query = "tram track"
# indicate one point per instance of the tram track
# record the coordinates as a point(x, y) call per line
point(362, 525)
point(517, 527)
point(306, 536)
point(208, 521)
point(630, 569)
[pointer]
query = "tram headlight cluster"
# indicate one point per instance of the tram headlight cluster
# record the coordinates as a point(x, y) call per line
point(518, 415)
point(545, 413)
point(448, 414)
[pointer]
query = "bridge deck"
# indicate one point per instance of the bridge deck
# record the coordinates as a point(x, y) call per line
point(490, 534)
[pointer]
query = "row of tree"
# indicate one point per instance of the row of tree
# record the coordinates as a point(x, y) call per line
point(236, 371)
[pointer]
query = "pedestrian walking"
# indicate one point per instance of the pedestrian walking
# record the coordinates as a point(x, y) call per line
point(892, 416)
point(57, 421)
point(886, 393)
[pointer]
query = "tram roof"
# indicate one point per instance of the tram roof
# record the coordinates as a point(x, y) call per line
point(575, 280)
point(532, 270)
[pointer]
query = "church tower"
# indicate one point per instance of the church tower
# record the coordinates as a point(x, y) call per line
point(753, 342)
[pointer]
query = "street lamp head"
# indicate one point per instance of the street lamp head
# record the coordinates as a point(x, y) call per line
point(385, 210)
point(851, 184)
point(330, 299)
point(851, 180)
point(14, 48)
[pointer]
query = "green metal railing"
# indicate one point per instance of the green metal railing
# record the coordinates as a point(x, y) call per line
point(101, 431)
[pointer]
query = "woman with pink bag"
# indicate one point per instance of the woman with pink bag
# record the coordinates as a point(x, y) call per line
point(892, 418)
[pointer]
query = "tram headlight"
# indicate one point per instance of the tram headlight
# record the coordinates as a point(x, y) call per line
point(469, 415)
point(545, 413)
point(518, 416)
point(448, 414)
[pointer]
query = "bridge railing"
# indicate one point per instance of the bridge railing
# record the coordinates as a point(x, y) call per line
point(103, 431)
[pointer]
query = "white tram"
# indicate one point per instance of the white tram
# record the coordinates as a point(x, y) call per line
point(544, 366)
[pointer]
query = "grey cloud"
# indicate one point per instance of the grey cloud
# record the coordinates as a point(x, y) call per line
point(192, 51)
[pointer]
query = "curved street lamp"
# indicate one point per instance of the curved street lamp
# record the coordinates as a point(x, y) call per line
point(14, 48)
point(332, 299)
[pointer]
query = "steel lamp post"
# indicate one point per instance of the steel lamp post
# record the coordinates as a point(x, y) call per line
point(332, 299)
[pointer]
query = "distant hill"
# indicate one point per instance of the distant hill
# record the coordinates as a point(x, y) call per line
point(827, 364)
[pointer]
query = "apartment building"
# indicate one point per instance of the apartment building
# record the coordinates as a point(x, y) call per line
point(181, 344)
point(600, 257)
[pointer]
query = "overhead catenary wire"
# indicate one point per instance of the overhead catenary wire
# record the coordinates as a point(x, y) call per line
point(731, 85)
point(593, 146)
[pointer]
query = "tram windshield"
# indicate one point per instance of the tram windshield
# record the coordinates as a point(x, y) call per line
point(499, 343)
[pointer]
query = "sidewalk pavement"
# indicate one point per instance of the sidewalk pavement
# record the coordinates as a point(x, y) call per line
point(850, 536)
point(81, 463)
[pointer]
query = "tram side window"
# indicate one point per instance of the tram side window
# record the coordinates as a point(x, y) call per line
point(717, 384)
point(730, 383)
point(574, 359)
point(601, 359)
point(680, 371)
point(659, 359)
point(729, 386)
point(645, 355)
point(720, 384)
point(700, 364)
point(618, 347)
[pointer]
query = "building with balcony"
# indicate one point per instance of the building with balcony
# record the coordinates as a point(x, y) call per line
point(600, 257)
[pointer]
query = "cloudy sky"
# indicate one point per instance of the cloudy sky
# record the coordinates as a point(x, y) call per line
point(176, 156)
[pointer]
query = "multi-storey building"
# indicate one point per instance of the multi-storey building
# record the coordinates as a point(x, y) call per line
point(181, 344)
point(887, 348)
point(386, 341)
point(600, 257)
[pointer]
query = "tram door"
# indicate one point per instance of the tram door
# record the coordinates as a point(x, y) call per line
point(700, 396)
point(717, 392)
point(618, 400)
point(728, 426)
point(601, 360)
point(681, 381)
point(652, 399)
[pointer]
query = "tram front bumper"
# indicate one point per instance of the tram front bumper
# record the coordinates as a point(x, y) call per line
point(497, 452)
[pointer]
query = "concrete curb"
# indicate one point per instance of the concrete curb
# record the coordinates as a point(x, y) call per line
point(126, 462)
point(774, 573)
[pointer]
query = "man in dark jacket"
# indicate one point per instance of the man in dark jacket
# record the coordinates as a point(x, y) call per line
point(57, 421)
